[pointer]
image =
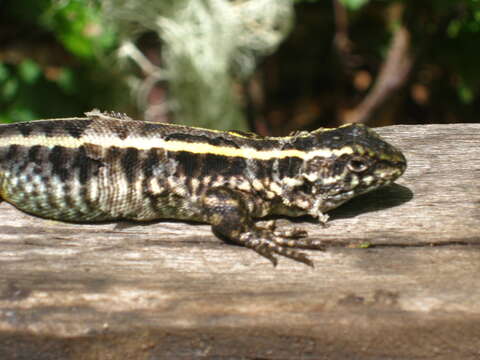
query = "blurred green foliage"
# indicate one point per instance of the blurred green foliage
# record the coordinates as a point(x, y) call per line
point(79, 27)
point(56, 60)
point(354, 4)
point(350, 4)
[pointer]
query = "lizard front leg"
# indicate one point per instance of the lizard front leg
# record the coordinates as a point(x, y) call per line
point(228, 212)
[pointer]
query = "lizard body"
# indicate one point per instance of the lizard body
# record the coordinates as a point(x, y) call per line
point(109, 167)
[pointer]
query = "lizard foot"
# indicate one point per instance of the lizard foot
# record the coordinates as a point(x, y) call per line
point(268, 244)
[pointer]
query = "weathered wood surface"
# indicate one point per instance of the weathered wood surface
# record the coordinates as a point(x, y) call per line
point(172, 290)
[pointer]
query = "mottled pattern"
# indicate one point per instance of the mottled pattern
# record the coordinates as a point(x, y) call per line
point(109, 167)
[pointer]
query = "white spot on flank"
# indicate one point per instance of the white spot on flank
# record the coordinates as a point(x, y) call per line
point(154, 186)
point(312, 177)
point(270, 194)
point(244, 186)
point(276, 188)
point(195, 183)
point(93, 189)
point(292, 182)
point(257, 184)
point(219, 181)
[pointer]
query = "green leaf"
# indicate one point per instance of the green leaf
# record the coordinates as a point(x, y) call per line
point(465, 93)
point(454, 28)
point(4, 119)
point(365, 245)
point(77, 44)
point(66, 81)
point(79, 27)
point(10, 88)
point(4, 73)
point(354, 4)
point(22, 114)
point(29, 71)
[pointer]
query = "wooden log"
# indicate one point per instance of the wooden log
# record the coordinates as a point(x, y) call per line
point(399, 278)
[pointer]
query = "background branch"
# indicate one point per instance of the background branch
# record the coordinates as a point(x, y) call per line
point(341, 40)
point(392, 76)
point(393, 72)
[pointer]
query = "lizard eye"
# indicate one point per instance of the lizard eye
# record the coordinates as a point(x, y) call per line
point(357, 164)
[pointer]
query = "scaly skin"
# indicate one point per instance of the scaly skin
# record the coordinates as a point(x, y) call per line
point(109, 167)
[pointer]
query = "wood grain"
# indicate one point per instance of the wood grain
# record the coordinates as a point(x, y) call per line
point(399, 278)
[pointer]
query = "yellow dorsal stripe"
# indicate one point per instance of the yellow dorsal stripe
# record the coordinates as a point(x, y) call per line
point(149, 143)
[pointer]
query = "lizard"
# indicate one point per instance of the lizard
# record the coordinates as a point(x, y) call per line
point(109, 167)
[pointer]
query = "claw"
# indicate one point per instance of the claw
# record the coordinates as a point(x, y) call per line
point(294, 233)
point(299, 243)
point(264, 250)
point(295, 255)
point(267, 245)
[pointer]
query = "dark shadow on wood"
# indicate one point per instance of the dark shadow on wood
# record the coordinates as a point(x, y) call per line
point(383, 198)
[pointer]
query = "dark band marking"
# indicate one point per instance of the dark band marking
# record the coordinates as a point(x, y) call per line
point(38, 170)
point(76, 128)
point(121, 131)
point(87, 200)
point(68, 197)
point(188, 138)
point(146, 129)
point(221, 141)
point(12, 152)
point(129, 163)
point(263, 169)
point(150, 163)
point(34, 154)
point(214, 164)
point(81, 162)
point(113, 153)
point(188, 163)
point(58, 157)
point(25, 129)
point(87, 167)
point(301, 143)
point(289, 167)
point(48, 127)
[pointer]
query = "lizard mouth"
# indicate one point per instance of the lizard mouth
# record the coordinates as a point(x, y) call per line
point(334, 201)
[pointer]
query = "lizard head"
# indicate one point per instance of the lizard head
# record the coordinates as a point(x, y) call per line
point(349, 161)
